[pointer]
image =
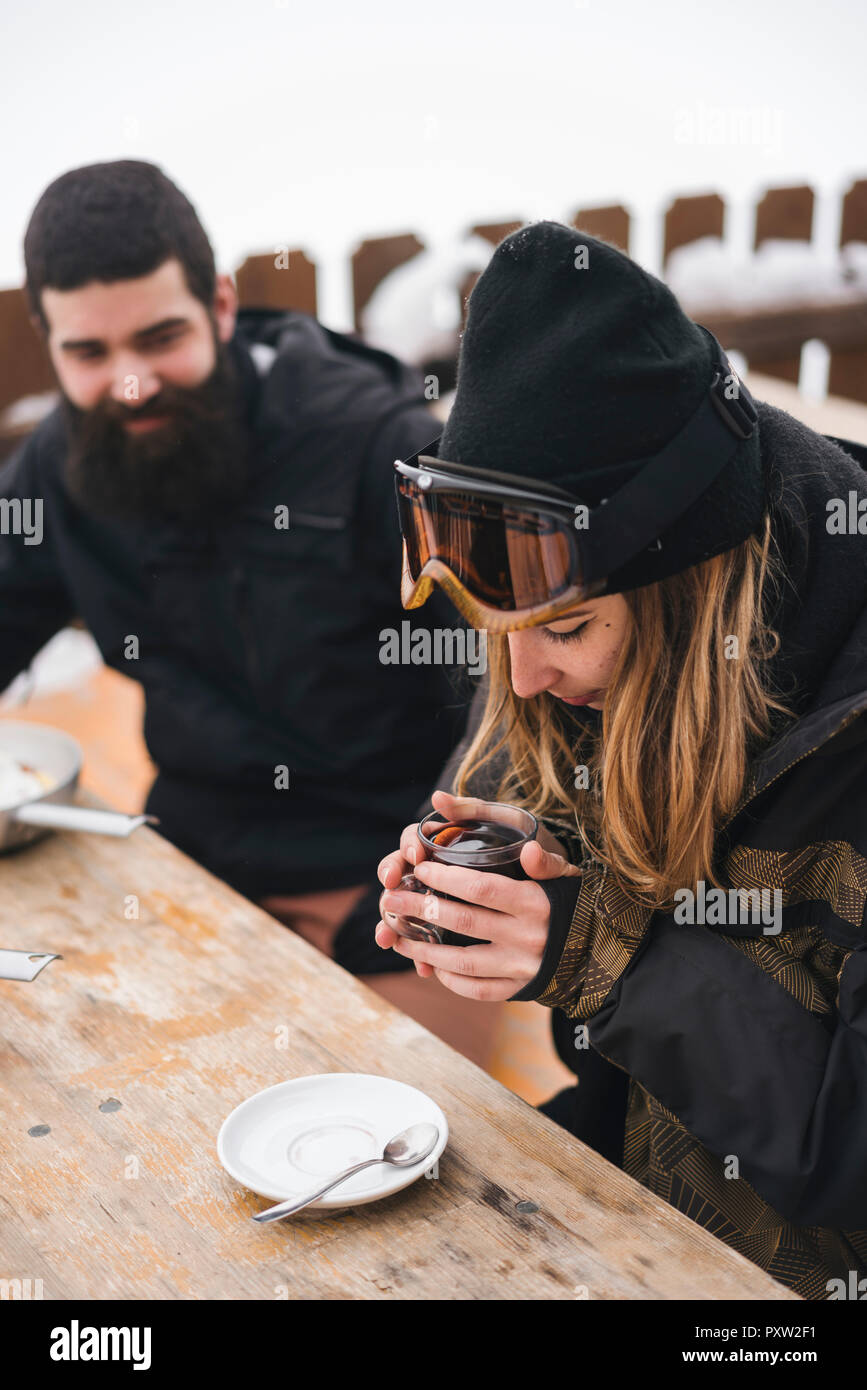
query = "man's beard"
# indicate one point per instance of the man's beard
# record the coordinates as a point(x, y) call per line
point(192, 468)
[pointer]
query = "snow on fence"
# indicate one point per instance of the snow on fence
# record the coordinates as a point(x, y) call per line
point(769, 330)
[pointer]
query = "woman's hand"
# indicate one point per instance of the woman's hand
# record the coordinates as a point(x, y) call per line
point(512, 916)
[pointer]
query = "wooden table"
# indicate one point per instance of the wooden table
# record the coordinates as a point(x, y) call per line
point(119, 1063)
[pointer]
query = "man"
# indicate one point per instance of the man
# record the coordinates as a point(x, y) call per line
point(218, 506)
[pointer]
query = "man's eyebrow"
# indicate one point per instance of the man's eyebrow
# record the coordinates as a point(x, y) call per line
point(69, 344)
point(143, 334)
point(154, 328)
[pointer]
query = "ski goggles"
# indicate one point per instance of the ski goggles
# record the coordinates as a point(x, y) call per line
point(512, 552)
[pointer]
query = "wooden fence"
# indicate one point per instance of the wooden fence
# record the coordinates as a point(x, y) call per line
point(770, 338)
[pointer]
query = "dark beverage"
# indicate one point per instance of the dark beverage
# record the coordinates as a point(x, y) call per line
point(472, 835)
point(491, 845)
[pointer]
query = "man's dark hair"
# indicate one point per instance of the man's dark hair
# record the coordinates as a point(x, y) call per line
point(114, 221)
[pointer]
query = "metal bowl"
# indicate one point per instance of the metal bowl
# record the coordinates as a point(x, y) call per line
point(50, 751)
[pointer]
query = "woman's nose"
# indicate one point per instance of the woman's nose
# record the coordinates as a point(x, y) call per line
point(531, 671)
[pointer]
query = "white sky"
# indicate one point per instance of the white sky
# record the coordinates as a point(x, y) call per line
point(316, 124)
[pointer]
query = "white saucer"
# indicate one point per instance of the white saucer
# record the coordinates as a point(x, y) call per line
point(286, 1140)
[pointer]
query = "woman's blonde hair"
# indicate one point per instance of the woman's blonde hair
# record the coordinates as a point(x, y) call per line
point(686, 709)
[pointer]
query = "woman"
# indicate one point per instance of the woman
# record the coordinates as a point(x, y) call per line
point(677, 687)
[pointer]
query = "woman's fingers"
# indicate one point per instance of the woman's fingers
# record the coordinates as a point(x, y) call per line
point(454, 916)
point(391, 869)
point(460, 807)
point(484, 991)
point(489, 890)
point(401, 861)
point(547, 841)
point(385, 936)
point(410, 846)
point(484, 962)
point(542, 863)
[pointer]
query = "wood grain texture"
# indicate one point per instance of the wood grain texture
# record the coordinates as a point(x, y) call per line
point(176, 1016)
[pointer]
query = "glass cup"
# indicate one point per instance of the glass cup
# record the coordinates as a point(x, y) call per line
point(490, 842)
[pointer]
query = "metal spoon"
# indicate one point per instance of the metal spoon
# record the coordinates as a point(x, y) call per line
point(404, 1150)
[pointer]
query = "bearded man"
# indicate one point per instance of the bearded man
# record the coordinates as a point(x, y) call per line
point(219, 509)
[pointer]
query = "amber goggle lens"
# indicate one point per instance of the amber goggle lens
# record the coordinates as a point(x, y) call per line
point(506, 557)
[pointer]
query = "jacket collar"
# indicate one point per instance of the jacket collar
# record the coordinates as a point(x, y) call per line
point(249, 377)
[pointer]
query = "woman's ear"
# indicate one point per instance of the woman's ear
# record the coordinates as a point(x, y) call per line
point(225, 307)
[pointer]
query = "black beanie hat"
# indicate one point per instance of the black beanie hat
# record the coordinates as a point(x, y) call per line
point(575, 367)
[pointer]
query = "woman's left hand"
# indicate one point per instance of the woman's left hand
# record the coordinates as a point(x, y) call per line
point(512, 915)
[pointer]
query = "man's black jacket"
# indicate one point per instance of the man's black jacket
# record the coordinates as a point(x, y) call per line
point(259, 647)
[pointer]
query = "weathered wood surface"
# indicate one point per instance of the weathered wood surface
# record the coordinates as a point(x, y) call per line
point(134, 1048)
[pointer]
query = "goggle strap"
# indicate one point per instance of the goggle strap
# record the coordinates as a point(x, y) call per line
point(642, 509)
